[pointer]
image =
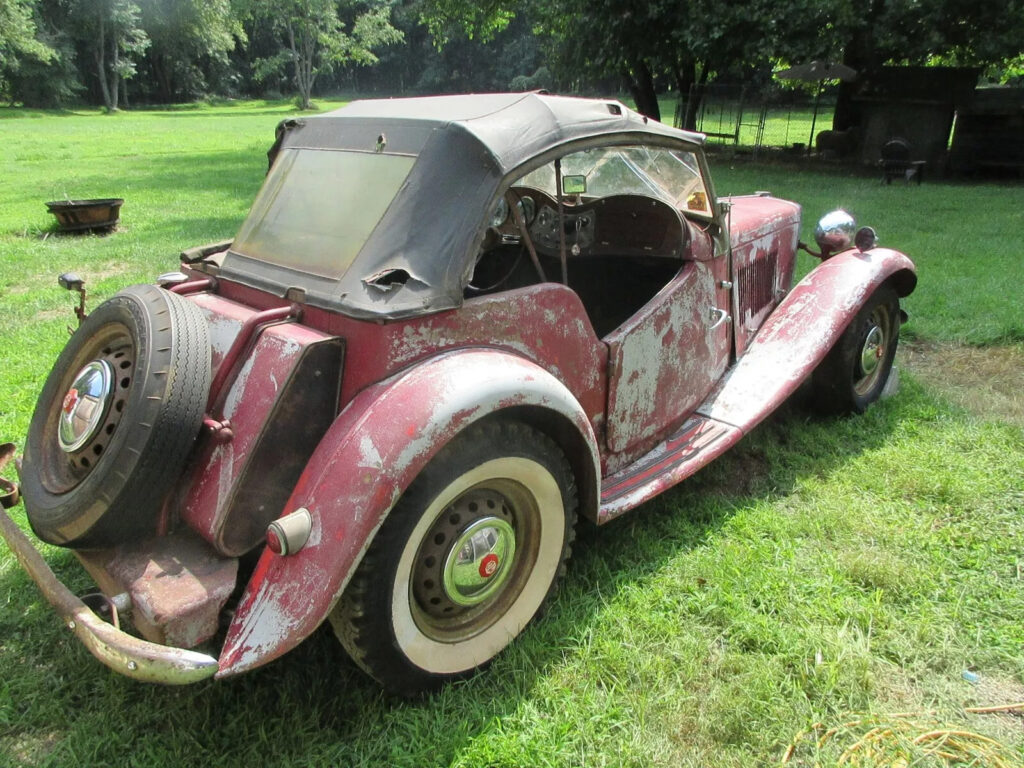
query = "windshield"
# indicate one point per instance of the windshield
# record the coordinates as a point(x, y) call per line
point(317, 208)
point(669, 174)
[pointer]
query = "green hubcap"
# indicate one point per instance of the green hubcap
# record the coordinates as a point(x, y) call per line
point(479, 562)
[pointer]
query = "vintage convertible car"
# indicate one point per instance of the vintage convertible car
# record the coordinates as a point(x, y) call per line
point(448, 327)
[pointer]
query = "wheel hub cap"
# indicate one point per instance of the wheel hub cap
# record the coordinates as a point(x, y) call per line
point(479, 561)
point(874, 348)
point(85, 405)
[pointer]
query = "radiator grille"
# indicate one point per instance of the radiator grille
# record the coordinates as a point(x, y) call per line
point(756, 284)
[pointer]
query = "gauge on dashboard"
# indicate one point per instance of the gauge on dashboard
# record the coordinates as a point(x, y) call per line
point(500, 213)
point(527, 208)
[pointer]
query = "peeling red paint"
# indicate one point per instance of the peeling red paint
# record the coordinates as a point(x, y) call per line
point(435, 399)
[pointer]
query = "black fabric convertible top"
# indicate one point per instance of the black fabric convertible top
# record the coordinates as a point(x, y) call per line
point(419, 256)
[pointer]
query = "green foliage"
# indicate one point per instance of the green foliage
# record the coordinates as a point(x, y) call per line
point(21, 48)
point(185, 35)
point(448, 19)
point(110, 31)
point(313, 38)
point(49, 82)
point(18, 34)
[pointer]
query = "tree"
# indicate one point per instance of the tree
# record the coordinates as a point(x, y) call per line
point(687, 44)
point(184, 35)
point(18, 40)
point(110, 31)
point(956, 32)
point(18, 33)
point(313, 39)
point(679, 43)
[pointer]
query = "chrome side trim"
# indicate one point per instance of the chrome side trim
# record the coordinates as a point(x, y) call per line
point(128, 655)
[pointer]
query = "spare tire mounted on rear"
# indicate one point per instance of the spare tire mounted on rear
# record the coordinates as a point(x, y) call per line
point(116, 419)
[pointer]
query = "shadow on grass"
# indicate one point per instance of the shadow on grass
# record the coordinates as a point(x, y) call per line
point(313, 707)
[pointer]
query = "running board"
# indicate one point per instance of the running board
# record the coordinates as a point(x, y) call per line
point(696, 443)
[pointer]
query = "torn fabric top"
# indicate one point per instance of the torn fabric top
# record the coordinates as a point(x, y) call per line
point(377, 209)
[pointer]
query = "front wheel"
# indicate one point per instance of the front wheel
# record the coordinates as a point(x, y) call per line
point(468, 556)
point(854, 373)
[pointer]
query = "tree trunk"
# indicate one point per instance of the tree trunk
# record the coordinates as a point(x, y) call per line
point(696, 99)
point(101, 64)
point(860, 54)
point(115, 75)
point(641, 86)
point(301, 63)
point(162, 69)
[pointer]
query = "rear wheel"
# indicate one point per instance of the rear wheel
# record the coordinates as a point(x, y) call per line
point(465, 560)
point(116, 418)
point(854, 373)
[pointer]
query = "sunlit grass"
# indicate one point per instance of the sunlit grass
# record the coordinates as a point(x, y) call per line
point(823, 568)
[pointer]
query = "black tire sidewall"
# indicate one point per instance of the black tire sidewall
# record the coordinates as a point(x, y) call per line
point(834, 378)
point(120, 496)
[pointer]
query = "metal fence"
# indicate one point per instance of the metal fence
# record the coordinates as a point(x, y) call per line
point(748, 118)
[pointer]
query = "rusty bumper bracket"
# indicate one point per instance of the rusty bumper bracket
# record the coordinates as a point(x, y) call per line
point(139, 659)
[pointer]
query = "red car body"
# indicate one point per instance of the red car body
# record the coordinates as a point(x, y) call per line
point(324, 408)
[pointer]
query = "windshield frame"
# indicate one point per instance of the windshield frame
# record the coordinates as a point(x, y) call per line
point(695, 199)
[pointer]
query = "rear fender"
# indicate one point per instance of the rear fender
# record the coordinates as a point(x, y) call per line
point(375, 448)
point(801, 331)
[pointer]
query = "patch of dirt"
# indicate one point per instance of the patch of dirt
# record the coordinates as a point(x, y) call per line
point(1007, 725)
point(31, 749)
point(986, 381)
point(104, 270)
point(947, 698)
point(744, 471)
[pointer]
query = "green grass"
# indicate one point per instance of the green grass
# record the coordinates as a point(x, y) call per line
point(821, 569)
point(784, 125)
point(956, 233)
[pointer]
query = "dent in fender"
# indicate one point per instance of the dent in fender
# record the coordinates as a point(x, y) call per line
point(375, 448)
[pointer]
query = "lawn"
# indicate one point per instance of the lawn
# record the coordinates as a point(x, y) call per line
point(825, 571)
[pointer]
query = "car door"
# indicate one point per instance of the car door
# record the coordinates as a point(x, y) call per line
point(665, 359)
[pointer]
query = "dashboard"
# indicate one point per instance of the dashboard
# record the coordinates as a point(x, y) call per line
point(617, 225)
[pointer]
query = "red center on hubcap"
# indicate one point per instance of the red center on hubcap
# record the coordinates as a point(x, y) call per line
point(70, 401)
point(489, 565)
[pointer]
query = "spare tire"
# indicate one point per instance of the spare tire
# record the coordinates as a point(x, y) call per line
point(116, 419)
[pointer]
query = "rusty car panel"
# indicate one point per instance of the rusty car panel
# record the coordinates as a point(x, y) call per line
point(177, 585)
point(545, 323)
point(356, 476)
point(252, 404)
point(666, 358)
point(764, 232)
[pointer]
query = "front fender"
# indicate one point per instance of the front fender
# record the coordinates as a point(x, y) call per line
point(368, 457)
point(801, 331)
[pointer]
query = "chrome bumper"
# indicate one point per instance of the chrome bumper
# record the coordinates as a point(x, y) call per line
point(124, 653)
